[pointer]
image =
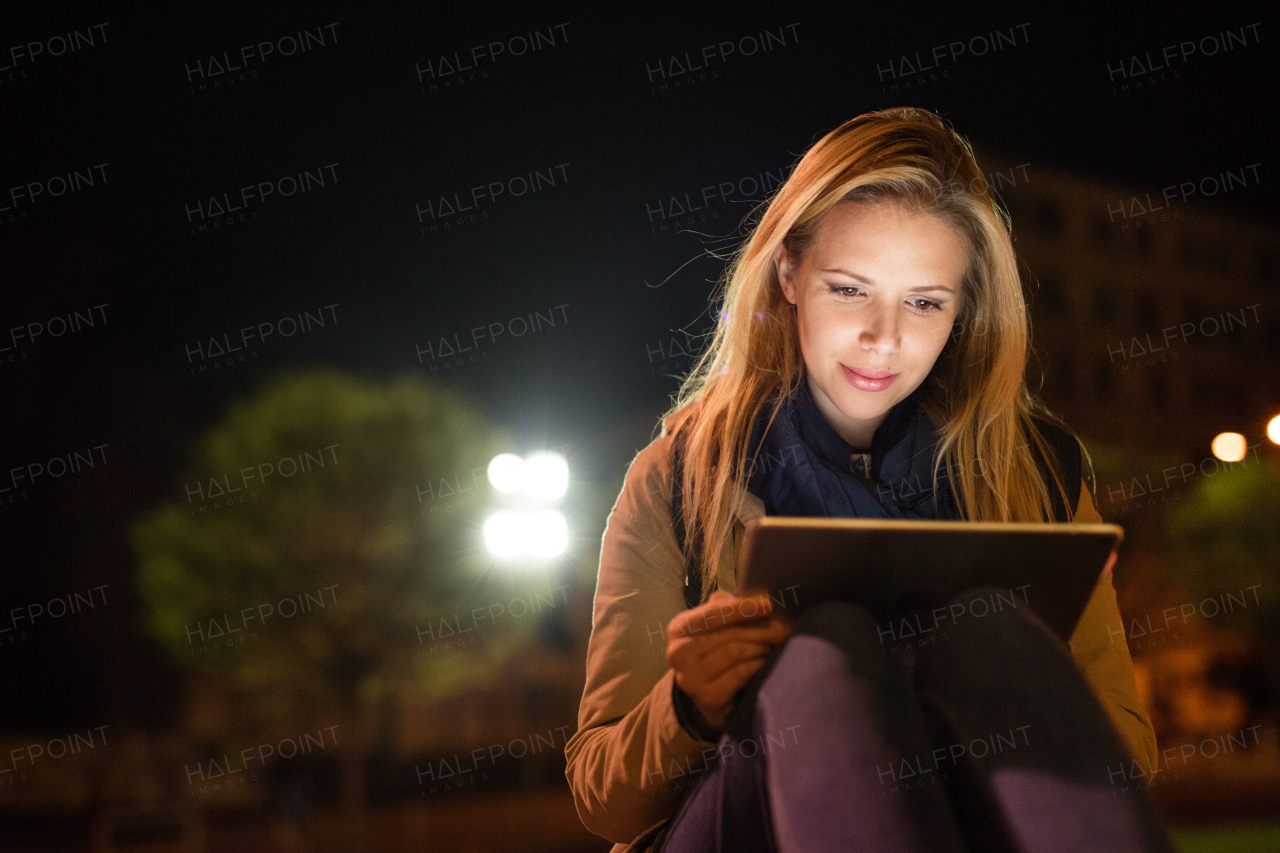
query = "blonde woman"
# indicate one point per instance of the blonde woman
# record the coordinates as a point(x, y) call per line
point(870, 362)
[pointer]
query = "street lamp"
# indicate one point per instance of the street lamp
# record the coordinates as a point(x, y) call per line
point(528, 527)
point(1229, 446)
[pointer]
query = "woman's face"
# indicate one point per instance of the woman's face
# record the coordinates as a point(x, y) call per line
point(876, 295)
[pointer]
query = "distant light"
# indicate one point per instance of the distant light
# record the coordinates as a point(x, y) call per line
point(526, 529)
point(546, 476)
point(548, 534)
point(505, 533)
point(507, 473)
point(513, 533)
point(1273, 429)
point(1230, 446)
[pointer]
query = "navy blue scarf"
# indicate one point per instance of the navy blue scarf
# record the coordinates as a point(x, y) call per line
point(805, 468)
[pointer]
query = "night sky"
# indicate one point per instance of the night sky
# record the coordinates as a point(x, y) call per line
point(568, 156)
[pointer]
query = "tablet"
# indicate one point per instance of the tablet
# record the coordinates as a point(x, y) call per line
point(906, 572)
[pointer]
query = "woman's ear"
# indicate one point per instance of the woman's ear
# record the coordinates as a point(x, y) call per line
point(786, 273)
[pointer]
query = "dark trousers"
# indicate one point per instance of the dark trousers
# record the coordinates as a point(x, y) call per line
point(985, 738)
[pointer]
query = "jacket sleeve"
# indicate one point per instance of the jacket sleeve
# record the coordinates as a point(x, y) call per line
point(630, 758)
point(1099, 648)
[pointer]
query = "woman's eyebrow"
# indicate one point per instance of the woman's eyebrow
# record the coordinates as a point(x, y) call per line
point(865, 280)
point(861, 278)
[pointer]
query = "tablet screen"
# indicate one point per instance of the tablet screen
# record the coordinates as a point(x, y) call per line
point(906, 572)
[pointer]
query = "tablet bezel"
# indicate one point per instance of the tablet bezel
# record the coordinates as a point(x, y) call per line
point(1055, 566)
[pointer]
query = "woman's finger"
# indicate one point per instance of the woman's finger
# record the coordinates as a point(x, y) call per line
point(710, 664)
point(718, 613)
point(728, 683)
point(682, 650)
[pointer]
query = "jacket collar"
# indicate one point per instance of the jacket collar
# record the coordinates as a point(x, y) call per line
point(748, 506)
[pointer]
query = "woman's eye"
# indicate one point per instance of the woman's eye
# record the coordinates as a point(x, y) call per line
point(846, 291)
point(927, 305)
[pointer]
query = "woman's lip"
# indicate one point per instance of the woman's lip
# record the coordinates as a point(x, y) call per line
point(860, 380)
point(869, 374)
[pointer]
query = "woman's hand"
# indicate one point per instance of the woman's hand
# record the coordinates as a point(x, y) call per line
point(717, 646)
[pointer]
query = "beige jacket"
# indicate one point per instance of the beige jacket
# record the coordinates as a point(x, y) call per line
point(630, 760)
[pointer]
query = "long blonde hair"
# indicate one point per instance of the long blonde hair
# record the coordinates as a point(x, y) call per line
point(975, 394)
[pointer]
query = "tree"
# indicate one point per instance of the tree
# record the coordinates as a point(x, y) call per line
point(1229, 539)
point(1228, 546)
point(303, 560)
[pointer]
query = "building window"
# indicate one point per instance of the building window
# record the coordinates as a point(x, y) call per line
point(1159, 387)
point(1104, 306)
point(1100, 229)
point(1144, 240)
point(1148, 314)
point(1104, 382)
point(1265, 264)
point(1049, 218)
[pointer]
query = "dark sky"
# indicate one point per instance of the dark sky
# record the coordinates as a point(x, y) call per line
point(585, 112)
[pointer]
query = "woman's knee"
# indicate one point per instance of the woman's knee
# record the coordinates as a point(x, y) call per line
point(985, 611)
point(846, 625)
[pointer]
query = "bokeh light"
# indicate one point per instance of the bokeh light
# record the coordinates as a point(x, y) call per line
point(1230, 446)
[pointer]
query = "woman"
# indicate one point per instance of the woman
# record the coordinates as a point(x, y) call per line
point(872, 349)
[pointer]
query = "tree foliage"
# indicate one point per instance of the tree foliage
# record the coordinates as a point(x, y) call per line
point(314, 489)
point(1228, 538)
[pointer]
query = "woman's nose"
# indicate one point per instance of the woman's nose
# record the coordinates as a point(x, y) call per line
point(881, 330)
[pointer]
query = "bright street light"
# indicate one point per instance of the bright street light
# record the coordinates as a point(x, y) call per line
point(516, 533)
point(504, 533)
point(506, 473)
point(527, 527)
point(1229, 446)
point(546, 476)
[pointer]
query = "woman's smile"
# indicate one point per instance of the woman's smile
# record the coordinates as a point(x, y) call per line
point(868, 380)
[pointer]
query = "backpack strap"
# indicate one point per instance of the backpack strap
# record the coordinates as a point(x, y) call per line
point(692, 579)
point(1070, 463)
